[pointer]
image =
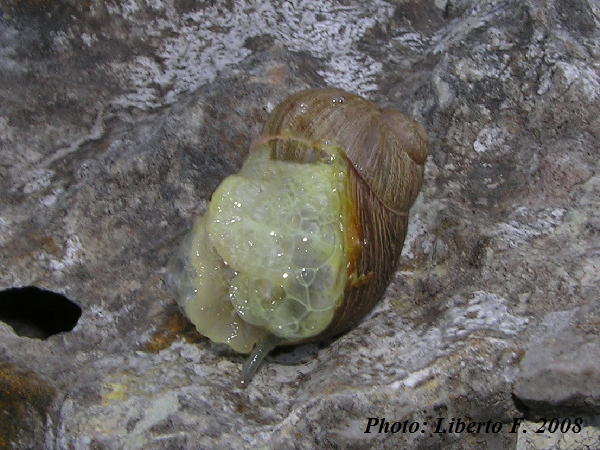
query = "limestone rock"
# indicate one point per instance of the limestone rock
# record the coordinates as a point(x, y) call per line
point(559, 373)
point(118, 120)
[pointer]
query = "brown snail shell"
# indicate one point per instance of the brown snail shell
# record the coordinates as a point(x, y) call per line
point(373, 159)
point(387, 151)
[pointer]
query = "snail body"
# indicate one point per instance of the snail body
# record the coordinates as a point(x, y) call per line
point(302, 242)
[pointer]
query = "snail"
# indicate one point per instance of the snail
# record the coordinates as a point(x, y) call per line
point(302, 242)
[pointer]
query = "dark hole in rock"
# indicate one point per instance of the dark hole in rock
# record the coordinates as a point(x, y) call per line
point(36, 313)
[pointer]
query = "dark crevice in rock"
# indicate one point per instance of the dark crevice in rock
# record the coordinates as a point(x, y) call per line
point(37, 313)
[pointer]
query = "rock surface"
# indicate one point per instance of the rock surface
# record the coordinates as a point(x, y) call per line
point(119, 118)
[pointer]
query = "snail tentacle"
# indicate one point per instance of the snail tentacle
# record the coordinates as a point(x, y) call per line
point(255, 359)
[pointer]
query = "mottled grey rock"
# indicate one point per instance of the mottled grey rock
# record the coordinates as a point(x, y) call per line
point(118, 119)
point(560, 374)
point(586, 437)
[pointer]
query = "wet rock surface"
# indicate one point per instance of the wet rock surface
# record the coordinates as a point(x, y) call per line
point(118, 120)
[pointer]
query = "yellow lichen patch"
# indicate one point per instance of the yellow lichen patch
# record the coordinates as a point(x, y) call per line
point(174, 328)
point(114, 392)
point(24, 401)
point(431, 385)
